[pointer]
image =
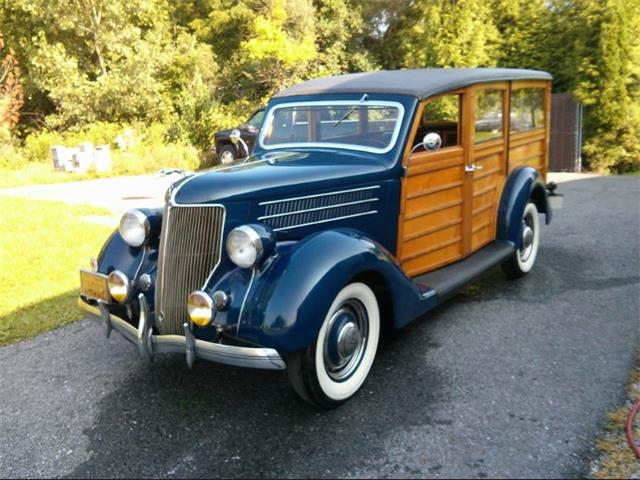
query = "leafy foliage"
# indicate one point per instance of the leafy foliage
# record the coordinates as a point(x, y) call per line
point(195, 66)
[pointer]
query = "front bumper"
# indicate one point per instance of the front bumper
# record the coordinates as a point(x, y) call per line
point(149, 344)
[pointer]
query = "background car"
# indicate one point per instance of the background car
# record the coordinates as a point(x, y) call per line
point(225, 149)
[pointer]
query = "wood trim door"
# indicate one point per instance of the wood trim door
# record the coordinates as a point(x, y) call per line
point(431, 226)
point(488, 172)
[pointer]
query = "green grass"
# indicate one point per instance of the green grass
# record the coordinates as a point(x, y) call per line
point(147, 160)
point(42, 246)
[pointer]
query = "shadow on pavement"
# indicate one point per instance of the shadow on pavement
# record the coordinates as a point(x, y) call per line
point(166, 420)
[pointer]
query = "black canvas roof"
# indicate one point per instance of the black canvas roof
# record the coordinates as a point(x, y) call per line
point(420, 83)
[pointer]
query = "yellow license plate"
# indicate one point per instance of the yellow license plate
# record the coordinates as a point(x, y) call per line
point(94, 285)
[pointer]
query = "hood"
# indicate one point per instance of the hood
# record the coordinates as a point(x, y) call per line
point(224, 133)
point(276, 174)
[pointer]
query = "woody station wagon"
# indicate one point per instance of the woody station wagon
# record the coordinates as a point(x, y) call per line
point(369, 199)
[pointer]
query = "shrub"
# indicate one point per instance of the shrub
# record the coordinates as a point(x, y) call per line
point(37, 146)
point(11, 157)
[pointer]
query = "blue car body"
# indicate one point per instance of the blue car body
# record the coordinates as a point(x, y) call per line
point(282, 303)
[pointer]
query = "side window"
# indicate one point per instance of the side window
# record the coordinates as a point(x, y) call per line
point(527, 109)
point(441, 116)
point(489, 109)
point(256, 120)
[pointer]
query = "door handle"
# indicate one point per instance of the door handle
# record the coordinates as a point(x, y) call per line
point(472, 168)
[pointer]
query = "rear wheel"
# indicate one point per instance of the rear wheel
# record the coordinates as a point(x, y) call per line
point(524, 258)
point(333, 369)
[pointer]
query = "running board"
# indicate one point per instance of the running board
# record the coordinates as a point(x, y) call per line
point(447, 280)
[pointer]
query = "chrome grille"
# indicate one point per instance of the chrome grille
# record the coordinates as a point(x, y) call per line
point(326, 207)
point(190, 249)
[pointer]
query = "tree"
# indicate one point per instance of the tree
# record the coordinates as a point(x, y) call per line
point(11, 91)
point(523, 27)
point(609, 83)
point(340, 38)
point(260, 46)
point(107, 60)
point(442, 33)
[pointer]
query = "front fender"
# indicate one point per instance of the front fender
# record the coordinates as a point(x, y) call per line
point(116, 254)
point(523, 184)
point(289, 300)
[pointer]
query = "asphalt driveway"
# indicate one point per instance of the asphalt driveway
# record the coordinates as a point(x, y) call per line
point(510, 379)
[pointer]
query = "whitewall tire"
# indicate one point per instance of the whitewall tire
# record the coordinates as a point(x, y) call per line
point(334, 368)
point(524, 258)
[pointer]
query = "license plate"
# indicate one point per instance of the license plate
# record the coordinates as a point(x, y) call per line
point(94, 285)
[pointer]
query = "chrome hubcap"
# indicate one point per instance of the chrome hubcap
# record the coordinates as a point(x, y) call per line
point(527, 238)
point(349, 338)
point(345, 340)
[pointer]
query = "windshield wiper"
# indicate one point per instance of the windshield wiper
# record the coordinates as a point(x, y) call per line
point(346, 115)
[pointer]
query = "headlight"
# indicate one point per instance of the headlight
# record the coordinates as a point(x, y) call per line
point(134, 227)
point(200, 308)
point(118, 286)
point(244, 246)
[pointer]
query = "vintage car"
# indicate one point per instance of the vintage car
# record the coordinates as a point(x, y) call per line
point(369, 199)
point(227, 150)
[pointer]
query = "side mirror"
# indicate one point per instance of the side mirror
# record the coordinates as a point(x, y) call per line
point(235, 136)
point(431, 141)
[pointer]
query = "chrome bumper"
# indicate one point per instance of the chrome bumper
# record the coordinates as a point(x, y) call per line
point(149, 344)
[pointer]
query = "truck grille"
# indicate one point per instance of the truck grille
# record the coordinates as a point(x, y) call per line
point(190, 248)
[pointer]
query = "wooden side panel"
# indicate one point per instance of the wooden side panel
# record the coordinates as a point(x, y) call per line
point(528, 149)
point(490, 158)
point(487, 185)
point(432, 218)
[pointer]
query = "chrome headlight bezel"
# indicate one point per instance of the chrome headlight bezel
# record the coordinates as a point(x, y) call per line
point(244, 246)
point(119, 286)
point(134, 219)
point(200, 308)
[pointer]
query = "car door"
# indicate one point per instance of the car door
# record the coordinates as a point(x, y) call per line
point(431, 229)
point(487, 163)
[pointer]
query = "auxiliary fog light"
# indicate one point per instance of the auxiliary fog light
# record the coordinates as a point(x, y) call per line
point(118, 286)
point(200, 308)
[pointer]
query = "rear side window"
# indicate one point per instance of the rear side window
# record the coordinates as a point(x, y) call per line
point(489, 115)
point(527, 109)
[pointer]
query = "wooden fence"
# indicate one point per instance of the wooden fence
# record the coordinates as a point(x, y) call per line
point(565, 144)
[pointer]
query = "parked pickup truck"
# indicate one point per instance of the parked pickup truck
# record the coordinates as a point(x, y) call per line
point(228, 151)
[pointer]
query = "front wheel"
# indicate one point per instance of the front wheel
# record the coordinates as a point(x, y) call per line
point(227, 154)
point(333, 369)
point(524, 258)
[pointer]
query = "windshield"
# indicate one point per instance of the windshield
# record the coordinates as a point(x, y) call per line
point(368, 126)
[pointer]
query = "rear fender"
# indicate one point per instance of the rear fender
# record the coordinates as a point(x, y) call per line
point(523, 185)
